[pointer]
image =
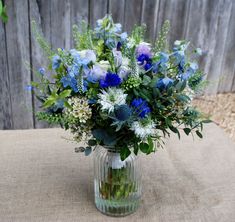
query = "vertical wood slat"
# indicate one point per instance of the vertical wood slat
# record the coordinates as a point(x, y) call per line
point(149, 17)
point(17, 39)
point(5, 96)
point(133, 10)
point(207, 24)
point(97, 10)
point(116, 9)
point(227, 83)
point(40, 12)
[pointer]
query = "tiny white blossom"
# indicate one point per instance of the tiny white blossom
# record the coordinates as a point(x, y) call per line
point(143, 130)
point(113, 96)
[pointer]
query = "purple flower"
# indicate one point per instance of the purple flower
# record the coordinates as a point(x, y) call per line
point(143, 48)
point(111, 79)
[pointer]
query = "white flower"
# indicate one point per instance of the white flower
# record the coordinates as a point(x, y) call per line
point(88, 54)
point(104, 64)
point(80, 109)
point(143, 130)
point(113, 96)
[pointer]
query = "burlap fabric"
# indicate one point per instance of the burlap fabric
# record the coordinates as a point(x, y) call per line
point(43, 180)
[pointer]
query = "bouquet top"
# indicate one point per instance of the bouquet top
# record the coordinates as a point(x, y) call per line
point(117, 90)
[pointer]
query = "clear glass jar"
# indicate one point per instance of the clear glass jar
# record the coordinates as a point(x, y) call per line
point(117, 183)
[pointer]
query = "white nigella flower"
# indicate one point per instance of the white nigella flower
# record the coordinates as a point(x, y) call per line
point(143, 130)
point(113, 96)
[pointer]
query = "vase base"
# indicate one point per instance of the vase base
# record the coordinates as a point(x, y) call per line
point(116, 208)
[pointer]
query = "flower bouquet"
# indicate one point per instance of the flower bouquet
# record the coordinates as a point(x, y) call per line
point(120, 96)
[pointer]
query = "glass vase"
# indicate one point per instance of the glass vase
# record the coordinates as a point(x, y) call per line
point(117, 183)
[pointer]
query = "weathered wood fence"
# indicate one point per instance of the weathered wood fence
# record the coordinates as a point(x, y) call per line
point(209, 24)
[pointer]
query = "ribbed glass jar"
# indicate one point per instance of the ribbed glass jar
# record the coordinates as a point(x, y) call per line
point(117, 183)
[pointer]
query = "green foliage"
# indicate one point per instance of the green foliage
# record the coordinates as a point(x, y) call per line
point(3, 12)
point(124, 153)
point(82, 37)
point(51, 118)
point(41, 41)
point(161, 41)
point(138, 33)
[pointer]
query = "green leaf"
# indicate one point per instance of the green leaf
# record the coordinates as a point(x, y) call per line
point(124, 153)
point(175, 130)
point(1, 7)
point(144, 147)
point(199, 134)
point(4, 15)
point(207, 121)
point(187, 131)
point(92, 142)
point(67, 105)
point(65, 93)
point(88, 151)
point(151, 145)
point(146, 80)
point(49, 102)
point(136, 148)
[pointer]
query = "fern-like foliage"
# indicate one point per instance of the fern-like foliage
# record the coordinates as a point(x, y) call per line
point(45, 46)
point(138, 33)
point(161, 41)
point(51, 118)
point(83, 37)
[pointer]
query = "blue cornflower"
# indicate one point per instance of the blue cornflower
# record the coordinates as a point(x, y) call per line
point(143, 58)
point(56, 60)
point(69, 81)
point(164, 83)
point(111, 79)
point(140, 107)
point(41, 71)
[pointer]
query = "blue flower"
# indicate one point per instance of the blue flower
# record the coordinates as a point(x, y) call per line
point(161, 64)
point(119, 45)
point(124, 36)
point(140, 107)
point(56, 60)
point(29, 88)
point(164, 83)
point(143, 58)
point(122, 112)
point(147, 66)
point(193, 67)
point(59, 104)
point(111, 79)
point(41, 71)
point(69, 81)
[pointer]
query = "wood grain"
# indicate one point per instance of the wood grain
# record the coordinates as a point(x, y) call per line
point(18, 45)
point(207, 24)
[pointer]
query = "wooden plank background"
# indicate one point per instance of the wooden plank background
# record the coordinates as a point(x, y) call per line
point(208, 24)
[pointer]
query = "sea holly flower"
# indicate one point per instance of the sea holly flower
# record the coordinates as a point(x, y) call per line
point(110, 80)
point(122, 112)
point(142, 129)
point(56, 61)
point(140, 107)
point(108, 99)
point(164, 83)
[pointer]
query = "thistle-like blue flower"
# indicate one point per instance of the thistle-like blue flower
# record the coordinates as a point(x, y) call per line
point(164, 83)
point(56, 60)
point(122, 112)
point(140, 107)
point(111, 79)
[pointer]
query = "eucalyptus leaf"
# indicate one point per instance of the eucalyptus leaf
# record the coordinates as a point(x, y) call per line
point(124, 153)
